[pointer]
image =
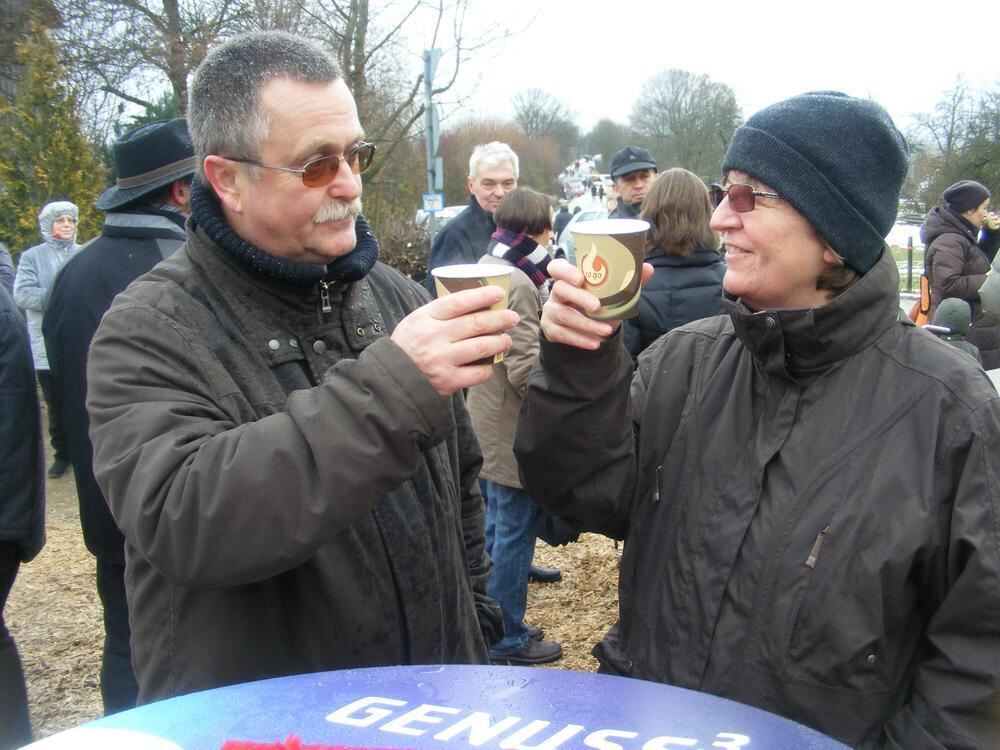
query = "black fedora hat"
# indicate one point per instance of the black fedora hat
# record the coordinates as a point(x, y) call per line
point(147, 158)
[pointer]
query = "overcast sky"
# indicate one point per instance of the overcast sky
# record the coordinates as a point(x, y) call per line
point(595, 56)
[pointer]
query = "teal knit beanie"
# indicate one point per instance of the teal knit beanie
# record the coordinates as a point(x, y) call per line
point(838, 160)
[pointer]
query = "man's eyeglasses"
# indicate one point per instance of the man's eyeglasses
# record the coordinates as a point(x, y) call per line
point(742, 198)
point(321, 172)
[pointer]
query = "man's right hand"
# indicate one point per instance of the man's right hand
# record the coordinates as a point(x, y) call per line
point(444, 336)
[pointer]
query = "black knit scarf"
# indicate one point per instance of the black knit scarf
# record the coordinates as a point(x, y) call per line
point(524, 253)
point(354, 266)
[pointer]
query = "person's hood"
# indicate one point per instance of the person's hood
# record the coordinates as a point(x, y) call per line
point(944, 220)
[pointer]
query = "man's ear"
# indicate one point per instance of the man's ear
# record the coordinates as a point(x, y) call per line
point(224, 177)
point(180, 194)
point(468, 184)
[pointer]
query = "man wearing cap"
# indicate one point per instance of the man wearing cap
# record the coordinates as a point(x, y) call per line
point(146, 208)
point(632, 171)
point(958, 248)
point(807, 484)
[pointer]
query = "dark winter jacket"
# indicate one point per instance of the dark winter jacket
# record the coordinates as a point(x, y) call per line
point(462, 240)
point(956, 262)
point(22, 481)
point(680, 290)
point(625, 210)
point(130, 244)
point(809, 503)
point(295, 494)
point(560, 221)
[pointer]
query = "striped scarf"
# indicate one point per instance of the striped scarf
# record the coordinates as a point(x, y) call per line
point(524, 253)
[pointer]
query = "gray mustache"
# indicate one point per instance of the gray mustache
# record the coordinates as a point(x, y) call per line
point(337, 210)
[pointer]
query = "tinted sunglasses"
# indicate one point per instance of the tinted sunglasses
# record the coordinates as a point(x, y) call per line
point(321, 172)
point(742, 198)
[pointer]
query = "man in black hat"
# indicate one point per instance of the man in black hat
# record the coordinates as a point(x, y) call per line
point(146, 208)
point(632, 170)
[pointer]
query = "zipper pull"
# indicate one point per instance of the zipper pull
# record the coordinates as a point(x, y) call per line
point(324, 297)
point(814, 552)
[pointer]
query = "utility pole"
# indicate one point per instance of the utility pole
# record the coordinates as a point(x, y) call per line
point(433, 198)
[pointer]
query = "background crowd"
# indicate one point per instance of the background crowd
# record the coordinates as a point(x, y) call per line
point(257, 410)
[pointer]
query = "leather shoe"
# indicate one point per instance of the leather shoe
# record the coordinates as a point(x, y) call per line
point(58, 468)
point(535, 632)
point(544, 575)
point(532, 652)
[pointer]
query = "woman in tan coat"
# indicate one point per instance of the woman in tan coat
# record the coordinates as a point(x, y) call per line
point(524, 228)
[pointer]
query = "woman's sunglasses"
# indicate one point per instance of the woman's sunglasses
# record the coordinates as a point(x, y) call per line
point(321, 172)
point(742, 198)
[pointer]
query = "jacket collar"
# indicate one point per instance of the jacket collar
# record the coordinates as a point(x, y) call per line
point(794, 344)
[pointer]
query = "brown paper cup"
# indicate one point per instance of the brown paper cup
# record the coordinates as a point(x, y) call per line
point(609, 253)
point(458, 278)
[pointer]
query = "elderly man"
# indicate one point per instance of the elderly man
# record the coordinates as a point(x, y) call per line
point(632, 171)
point(493, 171)
point(277, 418)
point(806, 484)
point(146, 209)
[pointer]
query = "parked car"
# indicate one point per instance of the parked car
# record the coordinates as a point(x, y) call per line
point(441, 217)
point(565, 241)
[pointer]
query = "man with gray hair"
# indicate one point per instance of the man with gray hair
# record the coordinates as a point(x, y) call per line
point(277, 417)
point(493, 172)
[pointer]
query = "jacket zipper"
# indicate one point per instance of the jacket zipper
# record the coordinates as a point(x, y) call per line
point(324, 297)
point(814, 552)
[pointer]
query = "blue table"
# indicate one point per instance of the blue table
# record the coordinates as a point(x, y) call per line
point(437, 707)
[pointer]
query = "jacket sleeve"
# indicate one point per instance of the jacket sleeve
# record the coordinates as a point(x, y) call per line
point(989, 242)
point(212, 498)
point(954, 701)
point(7, 273)
point(575, 442)
point(947, 269)
point(989, 292)
point(29, 294)
point(523, 354)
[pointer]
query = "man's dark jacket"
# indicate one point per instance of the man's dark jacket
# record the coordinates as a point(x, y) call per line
point(809, 500)
point(561, 220)
point(462, 240)
point(625, 210)
point(22, 479)
point(131, 243)
point(295, 494)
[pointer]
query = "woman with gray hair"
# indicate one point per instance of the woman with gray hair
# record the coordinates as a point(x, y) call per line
point(36, 270)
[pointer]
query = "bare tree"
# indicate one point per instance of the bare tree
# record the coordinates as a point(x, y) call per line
point(947, 125)
point(539, 114)
point(686, 120)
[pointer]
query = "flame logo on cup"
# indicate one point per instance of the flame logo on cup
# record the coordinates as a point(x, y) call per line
point(595, 268)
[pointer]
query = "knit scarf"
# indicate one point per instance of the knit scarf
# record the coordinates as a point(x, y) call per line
point(354, 266)
point(524, 253)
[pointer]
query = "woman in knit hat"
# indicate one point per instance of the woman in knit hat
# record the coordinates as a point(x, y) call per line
point(958, 248)
point(806, 484)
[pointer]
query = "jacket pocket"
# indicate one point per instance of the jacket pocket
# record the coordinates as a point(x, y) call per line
point(837, 629)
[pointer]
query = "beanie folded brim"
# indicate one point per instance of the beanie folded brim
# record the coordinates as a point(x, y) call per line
point(793, 177)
